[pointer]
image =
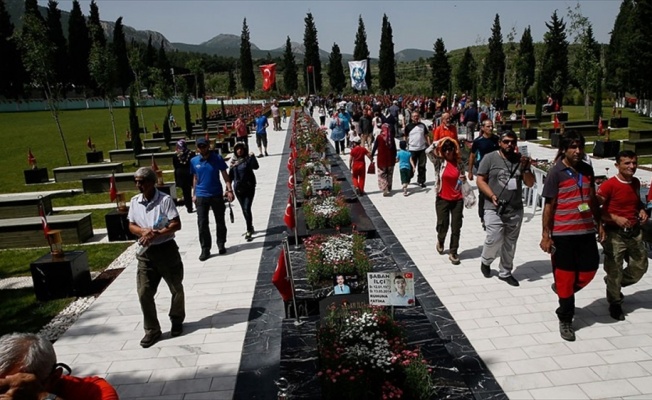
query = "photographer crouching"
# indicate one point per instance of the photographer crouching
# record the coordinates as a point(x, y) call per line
point(500, 178)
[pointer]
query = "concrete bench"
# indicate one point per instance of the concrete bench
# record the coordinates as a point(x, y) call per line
point(164, 158)
point(161, 141)
point(639, 134)
point(102, 183)
point(77, 172)
point(642, 147)
point(572, 124)
point(128, 154)
point(28, 231)
point(24, 205)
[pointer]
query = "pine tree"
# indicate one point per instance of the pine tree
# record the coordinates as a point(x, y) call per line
point(617, 60)
point(466, 72)
point(336, 76)
point(102, 67)
point(290, 72)
point(554, 71)
point(97, 35)
point(31, 8)
point(494, 67)
point(136, 143)
point(386, 60)
point(441, 69)
point(586, 63)
point(525, 63)
point(149, 62)
point(124, 73)
point(165, 69)
point(641, 49)
point(311, 56)
point(11, 68)
point(55, 33)
point(247, 76)
point(361, 50)
point(79, 48)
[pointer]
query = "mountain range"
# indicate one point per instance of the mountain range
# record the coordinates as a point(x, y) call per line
point(226, 45)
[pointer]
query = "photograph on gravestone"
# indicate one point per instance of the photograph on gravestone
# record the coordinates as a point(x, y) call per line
point(345, 284)
point(322, 182)
point(391, 288)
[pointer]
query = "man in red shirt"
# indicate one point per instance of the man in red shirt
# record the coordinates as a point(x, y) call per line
point(29, 370)
point(622, 214)
point(445, 129)
point(570, 215)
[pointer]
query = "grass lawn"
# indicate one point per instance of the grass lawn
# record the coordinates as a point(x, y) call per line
point(20, 311)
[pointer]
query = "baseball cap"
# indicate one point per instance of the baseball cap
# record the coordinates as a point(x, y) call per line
point(201, 142)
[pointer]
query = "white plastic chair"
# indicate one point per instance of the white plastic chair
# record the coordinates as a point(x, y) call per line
point(537, 190)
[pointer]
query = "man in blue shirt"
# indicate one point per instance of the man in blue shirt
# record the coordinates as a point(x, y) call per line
point(261, 132)
point(207, 193)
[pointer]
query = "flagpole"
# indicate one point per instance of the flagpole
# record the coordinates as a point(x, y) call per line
point(288, 271)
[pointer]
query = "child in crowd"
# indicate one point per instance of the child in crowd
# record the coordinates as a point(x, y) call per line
point(357, 165)
point(405, 165)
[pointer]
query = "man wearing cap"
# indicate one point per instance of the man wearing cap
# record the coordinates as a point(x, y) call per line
point(153, 217)
point(261, 132)
point(500, 177)
point(206, 169)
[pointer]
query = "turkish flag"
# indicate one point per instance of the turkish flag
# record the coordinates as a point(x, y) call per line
point(556, 122)
point(30, 157)
point(291, 159)
point(89, 143)
point(291, 181)
point(113, 191)
point(310, 69)
point(600, 127)
point(44, 221)
point(281, 280)
point(154, 165)
point(288, 218)
point(269, 76)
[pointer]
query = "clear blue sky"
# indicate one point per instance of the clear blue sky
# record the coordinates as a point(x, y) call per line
point(415, 24)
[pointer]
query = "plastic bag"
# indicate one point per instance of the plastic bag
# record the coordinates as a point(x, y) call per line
point(469, 196)
point(372, 168)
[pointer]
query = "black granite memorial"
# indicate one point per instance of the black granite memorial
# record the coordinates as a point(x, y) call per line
point(94, 157)
point(117, 226)
point(61, 277)
point(622, 122)
point(528, 134)
point(606, 149)
point(38, 175)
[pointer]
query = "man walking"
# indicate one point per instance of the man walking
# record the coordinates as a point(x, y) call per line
point(206, 169)
point(486, 143)
point(500, 178)
point(153, 218)
point(261, 132)
point(569, 228)
point(416, 134)
point(623, 212)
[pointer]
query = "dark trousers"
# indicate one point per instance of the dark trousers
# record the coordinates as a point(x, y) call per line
point(203, 205)
point(339, 145)
point(160, 261)
point(246, 200)
point(449, 213)
point(419, 158)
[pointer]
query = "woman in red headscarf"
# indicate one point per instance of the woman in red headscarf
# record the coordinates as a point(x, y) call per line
point(386, 148)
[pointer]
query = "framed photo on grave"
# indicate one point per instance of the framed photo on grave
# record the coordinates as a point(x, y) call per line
point(322, 182)
point(391, 288)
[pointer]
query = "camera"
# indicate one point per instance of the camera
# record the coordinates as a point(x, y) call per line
point(502, 207)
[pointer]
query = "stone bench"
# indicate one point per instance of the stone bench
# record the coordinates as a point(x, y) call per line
point(28, 231)
point(639, 134)
point(573, 124)
point(77, 172)
point(160, 142)
point(24, 205)
point(164, 158)
point(128, 154)
point(641, 147)
point(102, 183)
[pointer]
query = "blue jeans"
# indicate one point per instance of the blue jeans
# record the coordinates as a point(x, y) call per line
point(203, 205)
point(246, 200)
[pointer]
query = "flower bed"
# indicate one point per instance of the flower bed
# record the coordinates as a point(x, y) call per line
point(333, 254)
point(363, 355)
point(326, 212)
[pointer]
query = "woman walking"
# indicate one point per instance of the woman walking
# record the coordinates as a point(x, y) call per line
point(182, 175)
point(244, 181)
point(449, 203)
point(386, 148)
point(357, 165)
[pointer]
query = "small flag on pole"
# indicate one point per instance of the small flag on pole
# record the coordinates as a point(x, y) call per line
point(281, 280)
point(113, 191)
point(288, 218)
point(555, 123)
point(89, 144)
point(154, 165)
point(600, 127)
point(31, 160)
point(44, 221)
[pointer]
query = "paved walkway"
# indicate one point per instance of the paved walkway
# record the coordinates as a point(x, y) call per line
point(514, 330)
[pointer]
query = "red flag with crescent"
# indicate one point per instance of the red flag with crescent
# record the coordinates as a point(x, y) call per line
point(289, 214)
point(555, 123)
point(31, 160)
point(269, 76)
point(154, 165)
point(281, 280)
point(113, 191)
point(291, 181)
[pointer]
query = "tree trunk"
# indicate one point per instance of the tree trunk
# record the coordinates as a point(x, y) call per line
point(55, 115)
point(115, 135)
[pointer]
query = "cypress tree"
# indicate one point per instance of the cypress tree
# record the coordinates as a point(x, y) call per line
point(526, 63)
point(232, 83)
point(55, 32)
point(247, 77)
point(79, 48)
point(124, 73)
point(102, 69)
point(441, 69)
point(617, 61)
point(186, 111)
point(149, 62)
point(597, 95)
point(164, 66)
point(335, 70)
point(97, 35)
point(386, 60)
point(11, 68)
point(136, 143)
point(204, 112)
point(361, 50)
point(494, 67)
point(311, 56)
point(31, 8)
point(466, 72)
point(554, 71)
point(290, 77)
